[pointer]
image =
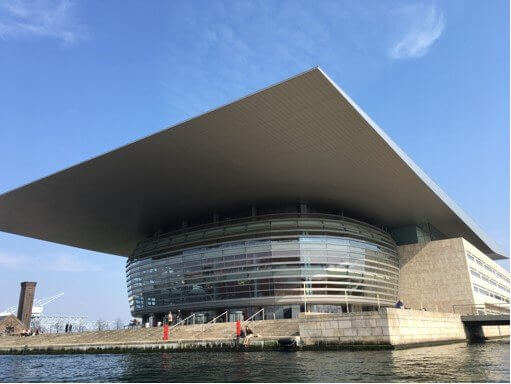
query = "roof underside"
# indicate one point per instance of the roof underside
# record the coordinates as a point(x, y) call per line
point(302, 140)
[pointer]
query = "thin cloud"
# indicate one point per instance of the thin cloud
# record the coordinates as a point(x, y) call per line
point(73, 263)
point(39, 18)
point(55, 263)
point(424, 26)
point(12, 261)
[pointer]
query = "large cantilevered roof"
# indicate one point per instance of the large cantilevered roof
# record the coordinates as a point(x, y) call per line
point(301, 140)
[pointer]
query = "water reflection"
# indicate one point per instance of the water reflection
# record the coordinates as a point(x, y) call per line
point(456, 362)
point(212, 366)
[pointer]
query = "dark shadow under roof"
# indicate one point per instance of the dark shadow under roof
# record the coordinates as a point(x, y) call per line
point(300, 140)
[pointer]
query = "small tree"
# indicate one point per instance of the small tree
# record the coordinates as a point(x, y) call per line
point(118, 323)
point(101, 325)
point(58, 326)
point(81, 327)
point(35, 323)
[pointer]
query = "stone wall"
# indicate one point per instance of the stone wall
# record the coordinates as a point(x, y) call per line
point(495, 331)
point(358, 328)
point(414, 326)
point(434, 275)
point(479, 333)
point(389, 326)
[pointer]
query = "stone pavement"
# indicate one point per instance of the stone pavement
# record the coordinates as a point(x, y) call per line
point(266, 328)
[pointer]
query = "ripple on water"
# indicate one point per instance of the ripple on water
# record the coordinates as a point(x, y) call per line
point(486, 362)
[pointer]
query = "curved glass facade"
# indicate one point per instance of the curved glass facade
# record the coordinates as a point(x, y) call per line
point(273, 261)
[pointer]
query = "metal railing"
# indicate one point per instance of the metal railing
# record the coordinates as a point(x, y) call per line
point(481, 309)
point(226, 313)
point(254, 315)
point(208, 325)
point(182, 321)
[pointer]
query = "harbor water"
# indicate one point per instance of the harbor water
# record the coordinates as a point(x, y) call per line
point(481, 362)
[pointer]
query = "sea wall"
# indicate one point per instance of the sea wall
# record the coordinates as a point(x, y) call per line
point(389, 326)
point(494, 331)
point(479, 333)
point(229, 344)
point(384, 329)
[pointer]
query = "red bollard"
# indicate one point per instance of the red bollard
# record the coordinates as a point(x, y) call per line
point(238, 328)
point(165, 332)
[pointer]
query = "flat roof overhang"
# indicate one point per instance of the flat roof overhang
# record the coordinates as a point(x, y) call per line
point(300, 140)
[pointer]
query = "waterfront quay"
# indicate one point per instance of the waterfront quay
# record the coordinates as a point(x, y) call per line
point(388, 328)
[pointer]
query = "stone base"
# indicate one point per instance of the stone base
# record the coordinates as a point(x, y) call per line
point(389, 326)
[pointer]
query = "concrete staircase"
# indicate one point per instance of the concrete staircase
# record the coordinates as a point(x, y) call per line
point(266, 328)
point(275, 328)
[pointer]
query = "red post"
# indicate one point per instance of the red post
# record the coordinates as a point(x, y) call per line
point(165, 332)
point(238, 328)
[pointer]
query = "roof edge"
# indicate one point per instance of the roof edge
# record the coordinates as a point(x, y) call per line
point(498, 253)
point(316, 68)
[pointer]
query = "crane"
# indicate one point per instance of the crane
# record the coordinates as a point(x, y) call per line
point(9, 311)
point(37, 308)
point(49, 323)
point(39, 304)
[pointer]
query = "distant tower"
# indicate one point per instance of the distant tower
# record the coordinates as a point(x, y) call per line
point(26, 301)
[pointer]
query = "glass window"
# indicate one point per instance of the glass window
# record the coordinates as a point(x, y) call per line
point(268, 267)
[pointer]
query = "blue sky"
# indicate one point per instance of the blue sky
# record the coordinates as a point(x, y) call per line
point(82, 78)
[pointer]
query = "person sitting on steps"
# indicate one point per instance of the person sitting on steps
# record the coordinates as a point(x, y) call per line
point(248, 335)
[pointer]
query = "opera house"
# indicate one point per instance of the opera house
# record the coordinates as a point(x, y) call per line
point(290, 199)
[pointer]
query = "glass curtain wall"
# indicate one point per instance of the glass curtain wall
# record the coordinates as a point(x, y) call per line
point(322, 260)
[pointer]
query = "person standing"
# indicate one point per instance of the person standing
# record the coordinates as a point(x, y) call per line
point(169, 318)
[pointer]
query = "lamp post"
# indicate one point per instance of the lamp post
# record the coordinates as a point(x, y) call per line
point(304, 299)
